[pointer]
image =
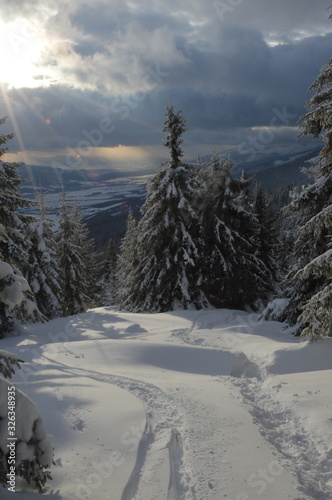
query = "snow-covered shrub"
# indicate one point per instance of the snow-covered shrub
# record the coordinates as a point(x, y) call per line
point(275, 309)
point(16, 300)
point(8, 363)
point(26, 449)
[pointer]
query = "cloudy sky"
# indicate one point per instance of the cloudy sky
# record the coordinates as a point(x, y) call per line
point(85, 83)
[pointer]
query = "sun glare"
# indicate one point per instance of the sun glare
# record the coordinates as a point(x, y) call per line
point(20, 52)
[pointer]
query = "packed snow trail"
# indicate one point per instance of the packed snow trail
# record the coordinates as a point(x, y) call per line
point(276, 422)
point(281, 427)
point(170, 406)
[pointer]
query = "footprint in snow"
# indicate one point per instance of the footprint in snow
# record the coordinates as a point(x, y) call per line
point(135, 328)
point(79, 425)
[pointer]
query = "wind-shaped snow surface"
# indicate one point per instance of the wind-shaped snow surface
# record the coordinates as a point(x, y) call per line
point(180, 406)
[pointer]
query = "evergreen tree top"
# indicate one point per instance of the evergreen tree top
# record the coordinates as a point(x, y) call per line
point(174, 127)
point(4, 138)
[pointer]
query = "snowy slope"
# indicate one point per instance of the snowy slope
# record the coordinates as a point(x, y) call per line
point(185, 405)
point(95, 197)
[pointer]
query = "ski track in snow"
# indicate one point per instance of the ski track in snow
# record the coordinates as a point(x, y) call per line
point(276, 423)
point(160, 447)
point(168, 448)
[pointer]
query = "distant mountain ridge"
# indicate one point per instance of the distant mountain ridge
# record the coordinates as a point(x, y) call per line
point(271, 171)
point(54, 179)
point(105, 196)
point(289, 172)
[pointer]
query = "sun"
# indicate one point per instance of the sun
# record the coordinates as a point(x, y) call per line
point(21, 51)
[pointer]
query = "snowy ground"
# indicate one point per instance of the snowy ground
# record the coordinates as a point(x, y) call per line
point(185, 405)
point(94, 197)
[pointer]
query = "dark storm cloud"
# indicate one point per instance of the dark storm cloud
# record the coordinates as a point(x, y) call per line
point(236, 88)
point(283, 18)
point(116, 19)
point(226, 73)
point(244, 65)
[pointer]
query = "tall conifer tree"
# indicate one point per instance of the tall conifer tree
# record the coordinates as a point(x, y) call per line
point(165, 274)
point(13, 244)
point(109, 278)
point(89, 257)
point(17, 302)
point(310, 306)
point(43, 272)
point(233, 274)
point(73, 266)
point(266, 234)
point(126, 261)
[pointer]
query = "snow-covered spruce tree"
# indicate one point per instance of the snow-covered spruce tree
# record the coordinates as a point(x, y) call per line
point(72, 267)
point(267, 232)
point(109, 278)
point(232, 275)
point(166, 250)
point(127, 260)
point(285, 229)
point(13, 244)
point(316, 316)
point(16, 298)
point(33, 446)
point(89, 257)
point(43, 273)
point(76, 259)
point(310, 306)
